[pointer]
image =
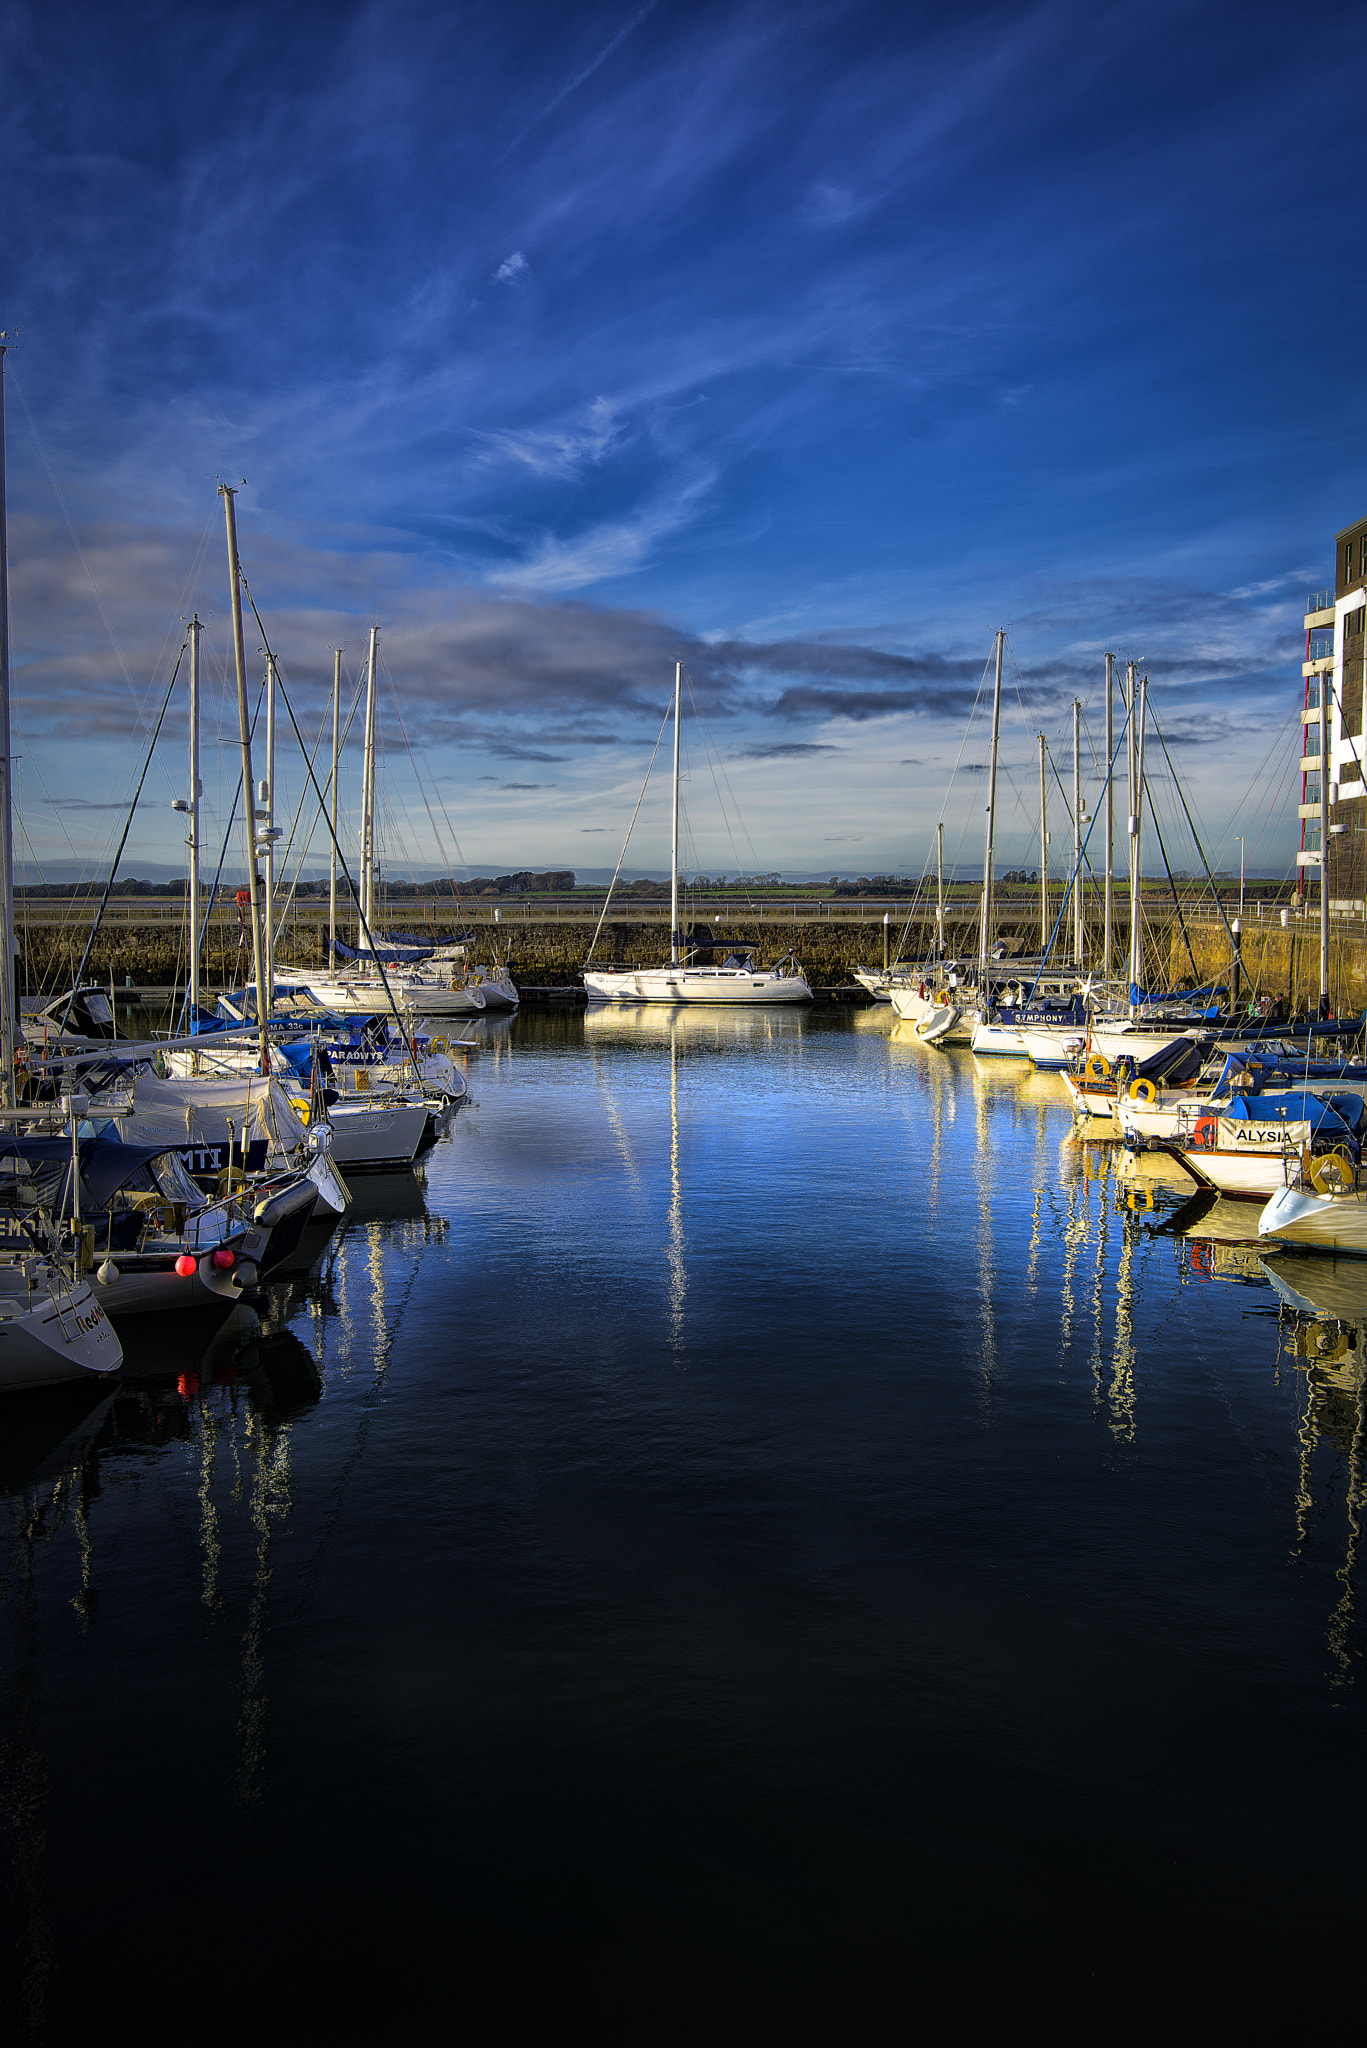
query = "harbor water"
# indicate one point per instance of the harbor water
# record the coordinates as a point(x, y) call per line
point(765, 1532)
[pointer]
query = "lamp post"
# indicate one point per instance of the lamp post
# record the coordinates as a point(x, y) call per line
point(1241, 873)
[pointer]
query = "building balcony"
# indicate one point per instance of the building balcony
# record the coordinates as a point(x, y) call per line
point(1318, 665)
point(1309, 810)
point(1319, 609)
point(1310, 763)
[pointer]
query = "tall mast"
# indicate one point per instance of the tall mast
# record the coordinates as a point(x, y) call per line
point(1043, 853)
point(1326, 684)
point(368, 801)
point(196, 791)
point(1130, 695)
point(985, 939)
point(1110, 816)
point(332, 882)
point(1136, 829)
point(674, 830)
point(940, 890)
point(269, 834)
point(1077, 833)
point(248, 790)
point(6, 791)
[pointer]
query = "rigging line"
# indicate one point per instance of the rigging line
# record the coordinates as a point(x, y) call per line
point(627, 841)
point(299, 870)
point(294, 827)
point(362, 920)
point(417, 777)
point(708, 751)
point(1176, 899)
point(128, 826)
point(1195, 835)
point(1091, 827)
point(13, 378)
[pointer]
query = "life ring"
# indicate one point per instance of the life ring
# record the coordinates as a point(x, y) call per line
point(1205, 1132)
point(1098, 1067)
point(439, 1045)
point(301, 1109)
point(1333, 1173)
point(1143, 1091)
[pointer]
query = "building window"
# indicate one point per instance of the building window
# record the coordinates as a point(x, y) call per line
point(1312, 790)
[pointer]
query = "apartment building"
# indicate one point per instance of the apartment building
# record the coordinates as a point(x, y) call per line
point(1332, 787)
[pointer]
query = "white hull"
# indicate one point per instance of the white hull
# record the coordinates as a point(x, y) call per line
point(874, 980)
point(1118, 1041)
point(1331, 1223)
point(1001, 1039)
point(713, 985)
point(364, 994)
point(1247, 1174)
point(1162, 1119)
point(48, 1338)
point(373, 1136)
point(1049, 1047)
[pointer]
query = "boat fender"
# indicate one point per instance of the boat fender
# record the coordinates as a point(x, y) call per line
point(1098, 1067)
point(1204, 1133)
point(247, 1274)
point(1143, 1091)
point(107, 1274)
point(1332, 1174)
point(187, 1266)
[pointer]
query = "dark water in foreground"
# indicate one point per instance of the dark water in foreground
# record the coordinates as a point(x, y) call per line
point(759, 1540)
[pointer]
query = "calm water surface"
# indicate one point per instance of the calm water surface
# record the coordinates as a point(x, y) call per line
point(761, 1534)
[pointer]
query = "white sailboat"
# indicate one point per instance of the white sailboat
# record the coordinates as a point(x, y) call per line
point(51, 1326)
point(682, 982)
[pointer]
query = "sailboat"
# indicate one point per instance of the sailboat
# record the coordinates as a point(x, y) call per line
point(944, 1006)
point(435, 982)
point(738, 981)
point(51, 1326)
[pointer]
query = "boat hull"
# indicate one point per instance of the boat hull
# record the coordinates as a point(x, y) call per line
point(703, 985)
point(376, 1137)
point(61, 1336)
point(1330, 1223)
point(1000, 1040)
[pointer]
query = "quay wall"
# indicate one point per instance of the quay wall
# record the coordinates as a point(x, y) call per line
point(1280, 961)
point(144, 946)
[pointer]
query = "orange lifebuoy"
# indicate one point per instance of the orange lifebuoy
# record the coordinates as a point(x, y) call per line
point(1205, 1132)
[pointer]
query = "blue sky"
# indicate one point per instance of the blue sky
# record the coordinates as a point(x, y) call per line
point(811, 342)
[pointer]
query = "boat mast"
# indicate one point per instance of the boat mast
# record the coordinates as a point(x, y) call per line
point(245, 732)
point(196, 790)
point(367, 906)
point(269, 834)
point(6, 792)
point(674, 832)
point(1043, 853)
point(940, 890)
point(1077, 833)
point(1136, 828)
point(985, 939)
point(332, 882)
point(1325, 686)
point(1110, 815)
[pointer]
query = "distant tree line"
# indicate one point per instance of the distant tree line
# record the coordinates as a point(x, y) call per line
point(876, 885)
